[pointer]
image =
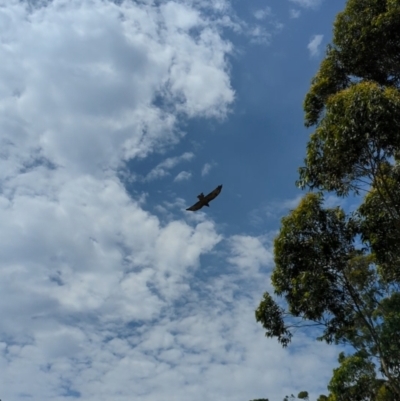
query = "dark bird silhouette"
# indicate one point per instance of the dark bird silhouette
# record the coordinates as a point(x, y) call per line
point(204, 200)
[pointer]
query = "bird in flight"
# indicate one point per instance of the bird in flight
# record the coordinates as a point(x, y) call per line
point(204, 200)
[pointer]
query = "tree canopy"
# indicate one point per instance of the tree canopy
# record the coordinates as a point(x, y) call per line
point(337, 270)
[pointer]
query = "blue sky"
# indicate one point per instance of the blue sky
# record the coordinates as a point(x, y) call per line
point(113, 118)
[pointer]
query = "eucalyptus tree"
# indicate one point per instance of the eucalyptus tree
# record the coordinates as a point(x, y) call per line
point(338, 271)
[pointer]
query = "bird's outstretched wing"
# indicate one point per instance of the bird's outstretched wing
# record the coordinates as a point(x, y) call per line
point(213, 194)
point(197, 206)
point(204, 200)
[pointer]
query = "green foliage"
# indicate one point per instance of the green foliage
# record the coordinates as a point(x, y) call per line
point(326, 279)
point(354, 99)
point(385, 394)
point(260, 399)
point(366, 46)
point(355, 379)
point(312, 254)
point(367, 36)
point(303, 395)
point(379, 220)
point(389, 332)
point(287, 398)
point(341, 272)
point(271, 317)
point(330, 79)
point(359, 130)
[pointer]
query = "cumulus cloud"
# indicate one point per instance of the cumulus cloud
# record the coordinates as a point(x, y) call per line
point(161, 170)
point(262, 31)
point(259, 35)
point(314, 45)
point(307, 3)
point(206, 169)
point(262, 13)
point(81, 260)
point(293, 13)
point(249, 253)
point(183, 176)
point(87, 74)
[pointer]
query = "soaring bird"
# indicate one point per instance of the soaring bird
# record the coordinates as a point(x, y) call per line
point(204, 200)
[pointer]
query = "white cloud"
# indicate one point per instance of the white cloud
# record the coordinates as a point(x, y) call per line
point(161, 170)
point(86, 74)
point(314, 45)
point(293, 13)
point(249, 253)
point(206, 169)
point(100, 298)
point(262, 13)
point(308, 3)
point(259, 33)
point(80, 258)
point(183, 176)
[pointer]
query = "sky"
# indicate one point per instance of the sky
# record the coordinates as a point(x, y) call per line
point(114, 116)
